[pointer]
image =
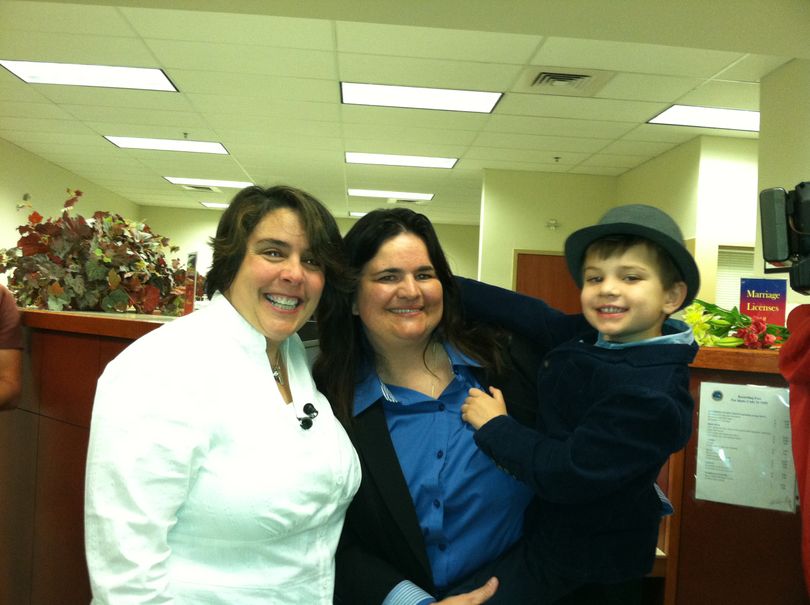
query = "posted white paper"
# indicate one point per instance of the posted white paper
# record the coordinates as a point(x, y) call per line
point(744, 448)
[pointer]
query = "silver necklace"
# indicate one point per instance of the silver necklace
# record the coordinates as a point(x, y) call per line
point(276, 367)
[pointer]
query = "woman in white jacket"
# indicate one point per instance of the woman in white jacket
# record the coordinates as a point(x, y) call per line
point(216, 472)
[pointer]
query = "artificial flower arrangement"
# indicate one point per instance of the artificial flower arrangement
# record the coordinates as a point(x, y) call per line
point(105, 263)
point(714, 326)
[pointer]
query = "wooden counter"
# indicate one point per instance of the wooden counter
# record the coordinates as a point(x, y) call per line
point(44, 446)
point(722, 554)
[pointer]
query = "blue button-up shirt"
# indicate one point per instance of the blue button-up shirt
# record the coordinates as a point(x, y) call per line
point(469, 510)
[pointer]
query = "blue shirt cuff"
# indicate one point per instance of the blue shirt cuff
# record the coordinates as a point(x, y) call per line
point(408, 593)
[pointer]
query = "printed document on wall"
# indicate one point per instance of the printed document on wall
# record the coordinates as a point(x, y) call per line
point(744, 451)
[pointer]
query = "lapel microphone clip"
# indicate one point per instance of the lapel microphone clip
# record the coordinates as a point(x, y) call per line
point(306, 421)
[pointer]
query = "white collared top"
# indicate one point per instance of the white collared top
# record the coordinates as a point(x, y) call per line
point(201, 486)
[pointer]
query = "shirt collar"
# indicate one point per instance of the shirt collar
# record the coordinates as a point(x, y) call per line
point(371, 389)
point(675, 332)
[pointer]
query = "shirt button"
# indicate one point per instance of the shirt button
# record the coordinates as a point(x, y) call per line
point(441, 407)
point(442, 547)
point(440, 454)
point(436, 504)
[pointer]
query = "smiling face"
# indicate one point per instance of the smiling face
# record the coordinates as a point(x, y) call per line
point(279, 283)
point(399, 297)
point(623, 296)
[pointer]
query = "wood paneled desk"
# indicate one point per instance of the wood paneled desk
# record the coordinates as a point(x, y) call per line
point(43, 445)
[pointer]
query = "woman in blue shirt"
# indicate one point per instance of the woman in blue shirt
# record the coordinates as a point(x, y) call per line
point(432, 508)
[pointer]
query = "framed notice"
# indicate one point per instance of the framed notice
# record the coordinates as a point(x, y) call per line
point(744, 448)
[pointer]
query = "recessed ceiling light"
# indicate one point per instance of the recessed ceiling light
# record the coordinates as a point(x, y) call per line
point(357, 214)
point(419, 98)
point(709, 117)
point(217, 205)
point(175, 180)
point(168, 145)
point(418, 161)
point(107, 76)
point(399, 195)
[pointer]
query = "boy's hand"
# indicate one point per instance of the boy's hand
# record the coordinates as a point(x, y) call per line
point(479, 408)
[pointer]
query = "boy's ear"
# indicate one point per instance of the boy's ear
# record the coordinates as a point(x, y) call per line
point(674, 297)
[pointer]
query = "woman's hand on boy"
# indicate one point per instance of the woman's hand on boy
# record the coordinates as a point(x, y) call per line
point(479, 407)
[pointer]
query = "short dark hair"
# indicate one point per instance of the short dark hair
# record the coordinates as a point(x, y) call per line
point(344, 350)
point(616, 245)
point(248, 207)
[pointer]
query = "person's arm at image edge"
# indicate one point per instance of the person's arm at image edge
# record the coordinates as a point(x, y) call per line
point(10, 377)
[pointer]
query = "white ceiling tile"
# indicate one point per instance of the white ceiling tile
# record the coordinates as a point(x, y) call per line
point(260, 30)
point(646, 87)
point(732, 95)
point(639, 148)
point(530, 141)
point(53, 17)
point(614, 161)
point(405, 71)
point(183, 120)
point(48, 111)
point(628, 57)
point(73, 96)
point(556, 126)
point(75, 48)
point(572, 107)
point(752, 68)
point(249, 107)
point(255, 85)
point(533, 156)
point(661, 133)
point(356, 134)
point(41, 125)
point(435, 43)
point(416, 118)
point(179, 54)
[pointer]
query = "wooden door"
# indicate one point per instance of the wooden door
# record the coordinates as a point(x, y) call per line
point(546, 276)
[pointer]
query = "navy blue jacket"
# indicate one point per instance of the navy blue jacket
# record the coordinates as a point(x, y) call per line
point(608, 420)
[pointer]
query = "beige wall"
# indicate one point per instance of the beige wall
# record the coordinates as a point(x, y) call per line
point(22, 172)
point(516, 205)
point(784, 135)
point(708, 185)
point(191, 230)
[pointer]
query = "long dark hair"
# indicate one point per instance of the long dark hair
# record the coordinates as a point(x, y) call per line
point(248, 207)
point(345, 353)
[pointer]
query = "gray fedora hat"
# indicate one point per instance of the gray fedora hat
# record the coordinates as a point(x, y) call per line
point(643, 221)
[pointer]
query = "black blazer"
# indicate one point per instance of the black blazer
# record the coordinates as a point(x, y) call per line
point(382, 540)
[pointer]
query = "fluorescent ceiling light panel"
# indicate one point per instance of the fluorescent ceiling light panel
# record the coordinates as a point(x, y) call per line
point(106, 76)
point(418, 161)
point(175, 180)
point(357, 214)
point(398, 195)
point(709, 117)
point(217, 205)
point(168, 145)
point(419, 98)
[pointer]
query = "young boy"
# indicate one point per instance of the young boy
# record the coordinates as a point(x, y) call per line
point(614, 404)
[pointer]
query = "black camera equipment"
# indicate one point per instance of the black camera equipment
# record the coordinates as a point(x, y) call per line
point(785, 218)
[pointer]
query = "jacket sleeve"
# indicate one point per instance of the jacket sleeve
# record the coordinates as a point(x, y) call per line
point(621, 437)
point(143, 452)
point(518, 313)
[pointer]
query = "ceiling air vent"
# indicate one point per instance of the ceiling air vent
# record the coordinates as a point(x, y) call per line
point(555, 79)
point(559, 81)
